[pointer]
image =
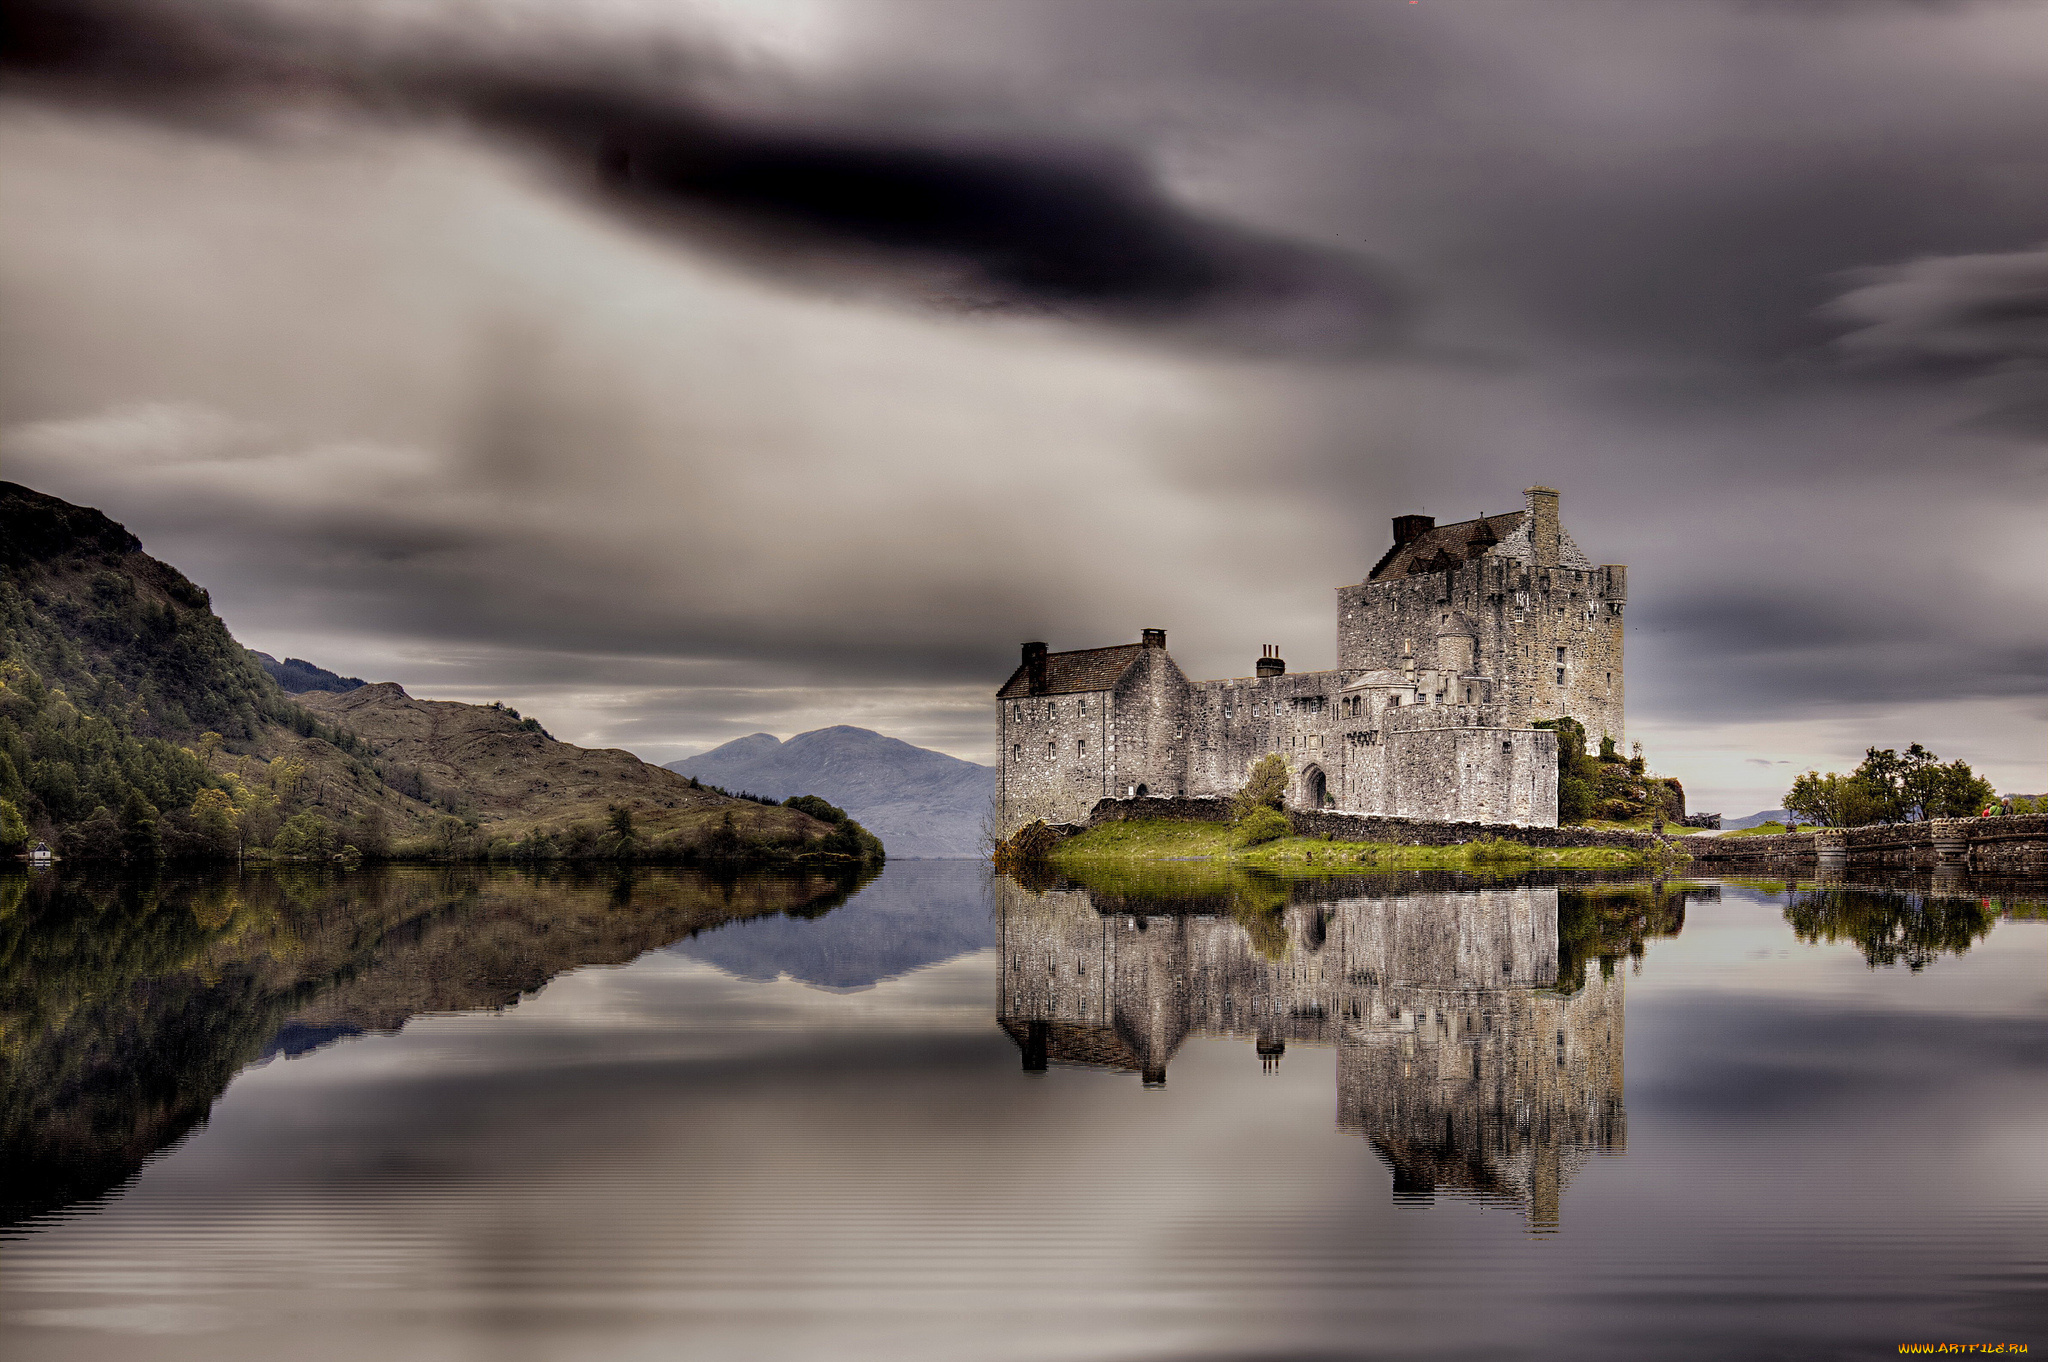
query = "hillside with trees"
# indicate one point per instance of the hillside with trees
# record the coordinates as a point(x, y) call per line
point(133, 727)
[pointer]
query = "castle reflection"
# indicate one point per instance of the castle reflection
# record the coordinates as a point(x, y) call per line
point(1479, 1031)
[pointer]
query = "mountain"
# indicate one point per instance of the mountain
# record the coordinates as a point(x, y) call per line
point(127, 1004)
point(515, 780)
point(1754, 820)
point(133, 726)
point(296, 675)
point(914, 916)
point(921, 803)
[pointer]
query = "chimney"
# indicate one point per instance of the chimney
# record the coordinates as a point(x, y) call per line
point(1270, 663)
point(1153, 638)
point(1408, 528)
point(1034, 667)
point(1543, 525)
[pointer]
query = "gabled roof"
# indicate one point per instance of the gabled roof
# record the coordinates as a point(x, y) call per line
point(1085, 669)
point(1447, 546)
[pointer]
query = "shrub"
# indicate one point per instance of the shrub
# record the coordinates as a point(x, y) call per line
point(1259, 826)
point(1490, 851)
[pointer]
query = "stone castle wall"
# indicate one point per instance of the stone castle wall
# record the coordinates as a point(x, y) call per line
point(1497, 631)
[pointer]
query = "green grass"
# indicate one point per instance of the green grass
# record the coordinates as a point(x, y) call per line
point(1762, 830)
point(1163, 840)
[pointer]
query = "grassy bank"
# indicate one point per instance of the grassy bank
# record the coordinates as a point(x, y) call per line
point(1161, 840)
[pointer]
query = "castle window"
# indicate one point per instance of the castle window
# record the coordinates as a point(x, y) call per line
point(1081, 746)
point(1560, 654)
point(1048, 752)
point(1017, 751)
point(1560, 676)
point(1507, 746)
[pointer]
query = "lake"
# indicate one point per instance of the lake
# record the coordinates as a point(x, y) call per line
point(1183, 1112)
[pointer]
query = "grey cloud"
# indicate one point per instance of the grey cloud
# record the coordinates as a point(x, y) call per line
point(1075, 230)
point(701, 501)
point(1949, 314)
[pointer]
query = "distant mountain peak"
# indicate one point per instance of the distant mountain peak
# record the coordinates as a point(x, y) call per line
point(930, 803)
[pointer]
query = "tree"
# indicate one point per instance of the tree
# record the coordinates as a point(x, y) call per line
point(13, 829)
point(213, 817)
point(816, 808)
point(304, 834)
point(1577, 773)
point(287, 777)
point(139, 840)
point(1265, 787)
point(1954, 791)
point(209, 743)
point(373, 833)
point(1833, 800)
point(725, 839)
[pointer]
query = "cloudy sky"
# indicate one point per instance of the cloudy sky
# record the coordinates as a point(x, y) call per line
point(677, 369)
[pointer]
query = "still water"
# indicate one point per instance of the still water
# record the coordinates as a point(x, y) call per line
point(424, 1114)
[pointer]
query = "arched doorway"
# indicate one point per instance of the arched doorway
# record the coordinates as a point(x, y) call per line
point(1142, 792)
point(1315, 788)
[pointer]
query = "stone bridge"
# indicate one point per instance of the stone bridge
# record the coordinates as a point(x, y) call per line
point(2012, 845)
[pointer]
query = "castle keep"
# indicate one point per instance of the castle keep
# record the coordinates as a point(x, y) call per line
point(1460, 639)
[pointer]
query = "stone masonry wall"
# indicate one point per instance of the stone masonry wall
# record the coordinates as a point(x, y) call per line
point(1054, 754)
point(1511, 620)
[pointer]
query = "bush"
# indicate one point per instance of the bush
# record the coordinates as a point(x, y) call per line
point(1491, 851)
point(1265, 787)
point(1259, 826)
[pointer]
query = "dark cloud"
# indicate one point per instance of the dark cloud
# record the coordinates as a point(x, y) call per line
point(1082, 231)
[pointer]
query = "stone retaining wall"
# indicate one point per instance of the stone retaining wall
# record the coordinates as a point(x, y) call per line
point(1358, 827)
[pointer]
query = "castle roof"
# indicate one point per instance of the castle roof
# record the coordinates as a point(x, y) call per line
point(1446, 546)
point(1080, 1044)
point(1085, 669)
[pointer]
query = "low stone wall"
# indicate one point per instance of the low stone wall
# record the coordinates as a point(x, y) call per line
point(2018, 844)
point(1208, 809)
point(1359, 827)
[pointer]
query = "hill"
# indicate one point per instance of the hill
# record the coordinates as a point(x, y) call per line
point(919, 802)
point(127, 1005)
point(514, 781)
point(133, 726)
point(1754, 820)
point(295, 675)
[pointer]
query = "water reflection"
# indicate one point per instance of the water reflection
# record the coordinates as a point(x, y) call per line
point(126, 1006)
point(1479, 1047)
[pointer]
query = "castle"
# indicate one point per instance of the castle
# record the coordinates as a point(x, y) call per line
point(1459, 640)
point(1473, 1057)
